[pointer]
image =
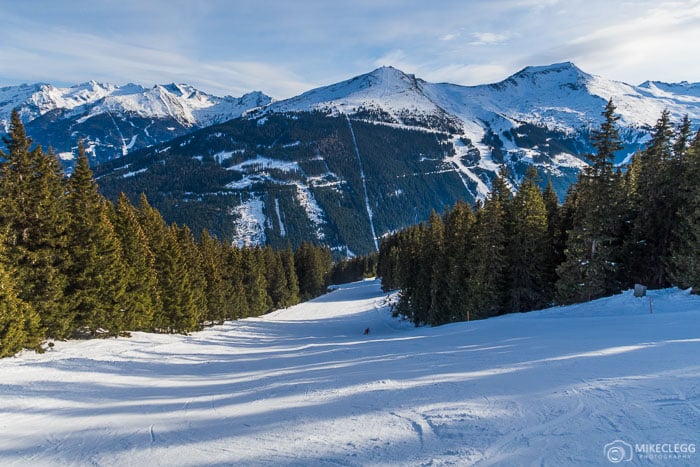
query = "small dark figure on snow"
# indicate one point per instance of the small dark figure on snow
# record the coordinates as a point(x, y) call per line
point(366, 331)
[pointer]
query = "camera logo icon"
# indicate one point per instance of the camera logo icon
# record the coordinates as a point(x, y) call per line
point(618, 451)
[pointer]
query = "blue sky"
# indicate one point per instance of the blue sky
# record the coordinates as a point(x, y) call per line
point(286, 47)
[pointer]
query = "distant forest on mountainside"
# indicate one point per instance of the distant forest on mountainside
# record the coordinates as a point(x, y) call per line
point(524, 251)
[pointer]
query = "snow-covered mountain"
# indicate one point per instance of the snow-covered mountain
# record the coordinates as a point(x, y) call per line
point(348, 162)
point(560, 98)
point(344, 163)
point(113, 120)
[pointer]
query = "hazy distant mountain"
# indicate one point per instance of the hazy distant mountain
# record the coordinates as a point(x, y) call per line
point(114, 120)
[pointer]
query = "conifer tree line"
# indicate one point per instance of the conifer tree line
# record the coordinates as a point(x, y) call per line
point(525, 251)
point(72, 263)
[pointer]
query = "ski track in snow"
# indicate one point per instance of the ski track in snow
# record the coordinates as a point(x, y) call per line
point(283, 232)
point(304, 386)
point(125, 147)
point(364, 184)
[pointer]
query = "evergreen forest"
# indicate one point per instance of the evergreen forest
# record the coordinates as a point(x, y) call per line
point(74, 264)
point(522, 250)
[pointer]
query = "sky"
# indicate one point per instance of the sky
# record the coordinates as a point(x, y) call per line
point(285, 47)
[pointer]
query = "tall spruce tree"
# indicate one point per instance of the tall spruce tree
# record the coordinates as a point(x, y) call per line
point(459, 244)
point(556, 237)
point(33, 212)
point(528, 248)
point(488, 280)
point(141, 299)
point(234, 273)
point(179, 311)
point(97, 274)
point(276, 278)
point(20, 326)
point(195, 270)
point(593, 247)
point(259, 302)
point(685, 253)
point(312, 263)
point(436, 265)
point(219, 291)
point(287, 257)
point(656, 200)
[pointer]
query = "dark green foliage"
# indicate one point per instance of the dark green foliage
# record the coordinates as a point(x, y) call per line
point(97, 273)
point(179, 311)
point(312, 264)
point(255, 282)
point(685, 253)
point(654, 193)
point(19, 323)
point(593, 248)
point(287, 257)
point(186, 180)
point(33, 215)
point(219, 289)
point(276, 278)
point(530, 287)
point(71, 263)
point(142, 298)
point(353, 269)
point(488, 278)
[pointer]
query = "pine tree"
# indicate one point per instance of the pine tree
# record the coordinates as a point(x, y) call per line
point(259, 302)
point(234, 274)
point(97, 273)
point(287, 257)
point(33, 214)
point(656, 200)
point(141, 299)
point(593, 247)
point(528, 247)
point(459, 244)
point(312, 264)
point(683, 138)
point(19, 324)
point(195, 271)
point(685, 254)
point(179, 311)
point(219, 291)
point(488, 280)
point(556, 237)
point(277, 286)
point(436, 267)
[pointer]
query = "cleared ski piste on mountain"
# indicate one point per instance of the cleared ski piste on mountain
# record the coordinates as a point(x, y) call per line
point(304, 386)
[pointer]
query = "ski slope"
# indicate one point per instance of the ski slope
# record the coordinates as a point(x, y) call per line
point(304, 386)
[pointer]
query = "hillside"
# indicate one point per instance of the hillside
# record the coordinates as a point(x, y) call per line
point(342, 164)
point(303, 386)
point(350, 162)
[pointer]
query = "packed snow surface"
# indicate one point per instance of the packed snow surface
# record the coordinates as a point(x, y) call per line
point(304, 386)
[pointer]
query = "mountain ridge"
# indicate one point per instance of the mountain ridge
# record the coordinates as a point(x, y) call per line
point(346, 163)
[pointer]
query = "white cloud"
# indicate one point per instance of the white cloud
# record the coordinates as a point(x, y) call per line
point(78, 57)
point(287, 48)
point(489, 38)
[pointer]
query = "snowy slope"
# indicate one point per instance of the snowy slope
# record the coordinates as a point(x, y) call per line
point(303, 386)
point(386, 94)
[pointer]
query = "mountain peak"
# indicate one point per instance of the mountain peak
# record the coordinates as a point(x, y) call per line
point(568, 69)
